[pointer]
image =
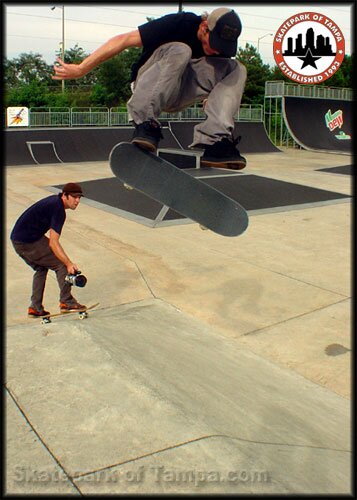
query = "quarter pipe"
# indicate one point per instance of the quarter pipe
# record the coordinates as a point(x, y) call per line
point(319, 124)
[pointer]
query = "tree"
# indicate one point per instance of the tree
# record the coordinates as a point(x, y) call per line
point(25, 80)
point(31, 95)
point(343, 77)
point(257, 74)
point(10, 78)
point(27, 68)
point(277, 74)
point(114, 77)
point(75, 55)
point(28, 79)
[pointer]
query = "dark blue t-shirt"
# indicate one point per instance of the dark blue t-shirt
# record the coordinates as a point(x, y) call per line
point(43, 215)
point(181, 27)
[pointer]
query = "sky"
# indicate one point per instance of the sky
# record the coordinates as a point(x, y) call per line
point(37, 28)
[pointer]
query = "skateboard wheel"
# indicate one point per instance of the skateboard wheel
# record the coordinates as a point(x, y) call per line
point(45, 321)
point(83, 315)
point(128, 187)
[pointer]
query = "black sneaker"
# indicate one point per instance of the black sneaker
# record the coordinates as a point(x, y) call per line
point(223, 154)
point(147, 135)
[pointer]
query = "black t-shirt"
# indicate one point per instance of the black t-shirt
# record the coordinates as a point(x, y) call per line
point(181, 27)
point(43, 215)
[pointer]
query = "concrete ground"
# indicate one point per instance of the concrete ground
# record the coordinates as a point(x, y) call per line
point(211, 365)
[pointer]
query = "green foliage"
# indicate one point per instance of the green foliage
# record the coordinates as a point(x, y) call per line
point(114, 79)
point(75, 55)
point(28, 80)
point(277, 74)
point(343, 77)
point(29, 95)
point(257, 74)
point(25, 69)
point(9, 69)
point(98, 96)
point(56, 100)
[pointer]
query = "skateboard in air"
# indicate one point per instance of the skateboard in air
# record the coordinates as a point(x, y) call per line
point(162, 181)
point(82, 313)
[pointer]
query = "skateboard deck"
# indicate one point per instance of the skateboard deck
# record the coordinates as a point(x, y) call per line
point(167, 184)
point(82, 314)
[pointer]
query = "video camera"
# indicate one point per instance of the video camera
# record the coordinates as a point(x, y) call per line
point(76, 279)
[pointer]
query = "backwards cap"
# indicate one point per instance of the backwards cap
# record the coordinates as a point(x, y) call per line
point(225, 27)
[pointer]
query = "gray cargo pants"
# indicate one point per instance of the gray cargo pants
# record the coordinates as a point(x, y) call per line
point(40, 257)
point(171, 81)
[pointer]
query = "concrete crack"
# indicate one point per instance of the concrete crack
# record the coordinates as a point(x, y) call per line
point(203, 438)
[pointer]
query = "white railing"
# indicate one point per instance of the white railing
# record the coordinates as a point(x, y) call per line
point(50, 117)
point(105, 117)
point(282, 89)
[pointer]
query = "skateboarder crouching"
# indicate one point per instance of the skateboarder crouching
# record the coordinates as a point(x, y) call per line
point(185, 59)
point(30, 242)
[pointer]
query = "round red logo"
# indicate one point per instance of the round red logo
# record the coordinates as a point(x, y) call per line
point(309, 48)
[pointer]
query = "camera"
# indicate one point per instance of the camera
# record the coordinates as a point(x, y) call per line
point(76, 279)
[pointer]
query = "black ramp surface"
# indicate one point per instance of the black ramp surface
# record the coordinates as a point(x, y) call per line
point(254, 138)
point(253, 192)
point(259, 193)
point(173, 187)
point(343, 169)
point(72, 144)
point(180, 161)
point(44, 153)
point(110, 191)
point(320, 124)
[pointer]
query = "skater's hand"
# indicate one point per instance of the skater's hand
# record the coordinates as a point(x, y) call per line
point(64, 71)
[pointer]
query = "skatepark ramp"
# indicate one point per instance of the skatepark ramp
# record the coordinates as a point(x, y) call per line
point(43, 152)
point(254, 138)
point(28, 147)
point(255, 193)
point(319, 124)
point(55, 145)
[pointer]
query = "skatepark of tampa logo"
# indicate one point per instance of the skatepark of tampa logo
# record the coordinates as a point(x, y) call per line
point(309, 48)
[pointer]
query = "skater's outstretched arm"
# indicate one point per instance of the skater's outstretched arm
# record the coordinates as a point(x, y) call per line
point(109, 49)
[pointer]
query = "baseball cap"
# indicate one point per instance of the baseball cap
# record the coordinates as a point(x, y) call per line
point(225, 27)
point(72, 188)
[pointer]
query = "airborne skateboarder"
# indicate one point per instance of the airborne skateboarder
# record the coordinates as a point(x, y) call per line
point(186, 58)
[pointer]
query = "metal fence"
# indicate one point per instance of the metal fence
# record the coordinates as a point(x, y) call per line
point(281, 89)
point(105, 117)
